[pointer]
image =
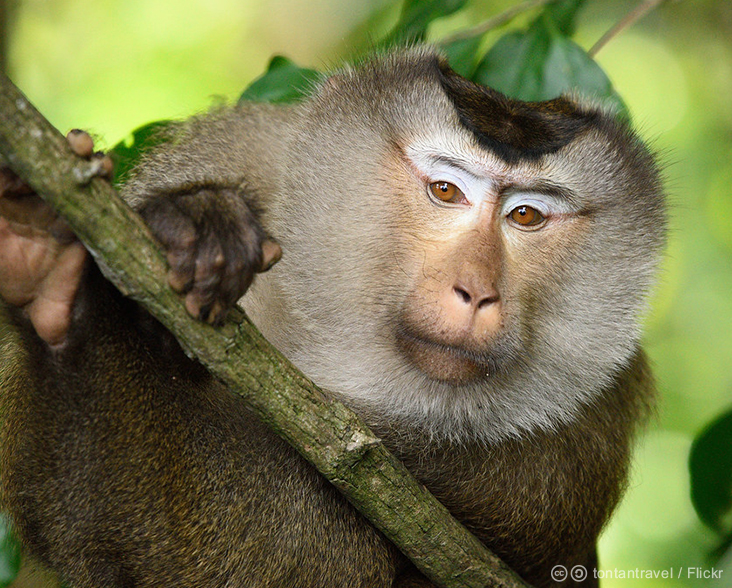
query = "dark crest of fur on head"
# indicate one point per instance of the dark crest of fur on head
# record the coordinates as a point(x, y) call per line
point(512, 129)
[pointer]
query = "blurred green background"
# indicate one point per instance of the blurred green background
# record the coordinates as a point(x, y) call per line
point(109, 66)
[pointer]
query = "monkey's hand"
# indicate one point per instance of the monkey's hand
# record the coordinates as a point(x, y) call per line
point(41, 261)
point(215, 246)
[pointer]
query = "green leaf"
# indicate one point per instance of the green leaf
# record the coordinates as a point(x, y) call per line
point(541, 64)
point(284, 81)
point(127, 152)
point(463, 54)
point(515, 65)
point(568, 67)
point(564, 13)
point(416, 17)
point(710, 465)
point(9, 553)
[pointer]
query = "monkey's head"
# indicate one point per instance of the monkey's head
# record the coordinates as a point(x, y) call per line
point(469, 264)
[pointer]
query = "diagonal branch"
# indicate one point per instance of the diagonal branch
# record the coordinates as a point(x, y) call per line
point(627, 21)
point(495, 21)
point(326, 433)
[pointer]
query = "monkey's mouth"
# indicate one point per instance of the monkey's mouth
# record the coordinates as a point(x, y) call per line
point(443, 361)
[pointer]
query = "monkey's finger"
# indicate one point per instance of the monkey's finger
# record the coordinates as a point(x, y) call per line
point(81, 142)
point(11, 186)
point(201, 306)
point(27, 212)
point(182, 257)
point(271, 254)
point(182, 261)
point(204, 299)
point(235, 280)
point(244, 253)
point(177, 234)
point(105, 165)
point(83, 145)
point(182, 246)
point(211, 312)
point(51, 309)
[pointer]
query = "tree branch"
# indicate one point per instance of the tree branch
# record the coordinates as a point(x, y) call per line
point(495, 21)
point(638, 12)
point(325, 432)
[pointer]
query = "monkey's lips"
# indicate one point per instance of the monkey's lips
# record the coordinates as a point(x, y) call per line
point(443, 361)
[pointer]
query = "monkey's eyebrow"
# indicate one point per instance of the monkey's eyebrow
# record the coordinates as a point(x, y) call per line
point(539, 186)
point(507, 186)
point(543, 187)
point(453, 162)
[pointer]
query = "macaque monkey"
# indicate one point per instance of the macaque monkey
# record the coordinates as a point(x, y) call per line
point(466, 271)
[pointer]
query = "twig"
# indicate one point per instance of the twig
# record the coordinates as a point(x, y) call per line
point(495, 21)
point(627, 21)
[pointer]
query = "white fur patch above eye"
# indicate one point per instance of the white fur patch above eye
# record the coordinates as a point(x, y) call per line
point(434, 167)
point(547, 204)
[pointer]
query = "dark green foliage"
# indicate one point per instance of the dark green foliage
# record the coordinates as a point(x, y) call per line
point(463, 54)
point(710, 464)
point(9, 553)
point(284, 81)
point(542, 62)
point(564, 15)
point(515, 64)
point(416, 17)
point(126, 153)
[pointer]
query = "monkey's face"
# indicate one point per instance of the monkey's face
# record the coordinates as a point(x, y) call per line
point(484, 243)
point(470, 274)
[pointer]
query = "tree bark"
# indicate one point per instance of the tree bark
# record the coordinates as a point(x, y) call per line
point(325, 432)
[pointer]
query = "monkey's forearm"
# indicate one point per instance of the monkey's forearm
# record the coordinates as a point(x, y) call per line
point(235, 148)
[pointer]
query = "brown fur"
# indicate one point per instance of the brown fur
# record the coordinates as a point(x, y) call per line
point(146, 472)
point(503, 494)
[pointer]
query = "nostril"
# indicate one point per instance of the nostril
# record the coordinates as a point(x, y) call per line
point(479, 298)
point(463, 294)
point(488, 299)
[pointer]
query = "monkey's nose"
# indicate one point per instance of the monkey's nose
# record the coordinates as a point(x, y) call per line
point(470, 308)
point(476, 296)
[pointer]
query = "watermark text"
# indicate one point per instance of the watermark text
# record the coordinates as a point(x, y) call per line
point(581, 573)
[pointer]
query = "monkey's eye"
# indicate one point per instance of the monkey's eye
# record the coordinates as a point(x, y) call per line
point(447, 192)
point(526, 216)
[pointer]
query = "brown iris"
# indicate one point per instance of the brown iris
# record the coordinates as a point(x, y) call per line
point(447, 192)
point(526, 216)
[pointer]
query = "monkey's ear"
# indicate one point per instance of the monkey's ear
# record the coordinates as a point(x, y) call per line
point(512, 129)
